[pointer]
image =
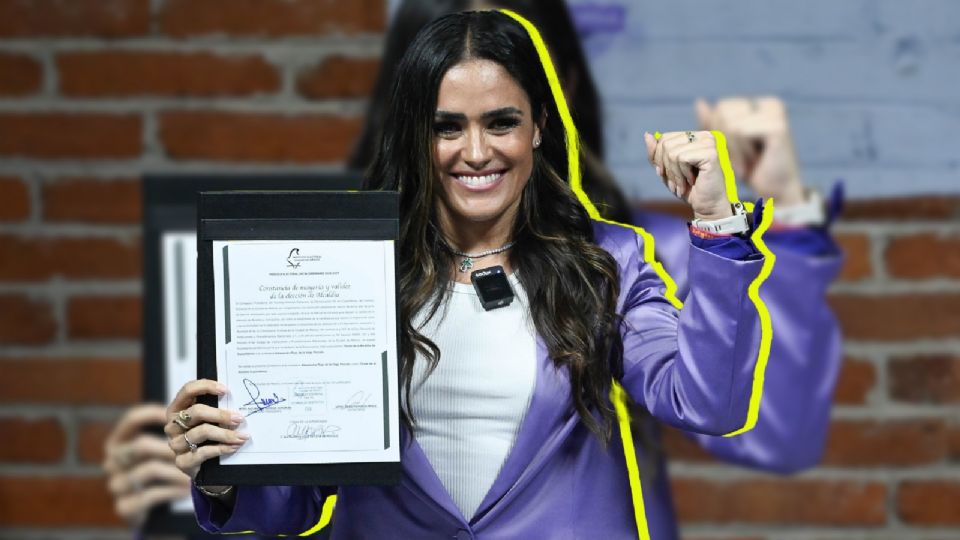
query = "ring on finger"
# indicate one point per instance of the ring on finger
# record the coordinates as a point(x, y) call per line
point(690, 136)
point(192, 445)
point(184, 415)
point(183, 425)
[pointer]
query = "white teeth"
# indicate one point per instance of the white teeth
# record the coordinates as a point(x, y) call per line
point(477, 181)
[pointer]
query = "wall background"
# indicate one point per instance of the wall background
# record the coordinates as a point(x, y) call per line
point(95, 92)
point(870, 83)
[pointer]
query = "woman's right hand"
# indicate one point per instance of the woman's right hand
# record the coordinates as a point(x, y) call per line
point(192, 428)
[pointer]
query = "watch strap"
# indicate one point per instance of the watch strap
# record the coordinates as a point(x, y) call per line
point(735, 224)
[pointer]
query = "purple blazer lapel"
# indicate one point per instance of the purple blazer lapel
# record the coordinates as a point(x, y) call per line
point(421, 477)
point(549, 409)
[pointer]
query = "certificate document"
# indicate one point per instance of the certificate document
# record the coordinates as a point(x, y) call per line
point(306, 338)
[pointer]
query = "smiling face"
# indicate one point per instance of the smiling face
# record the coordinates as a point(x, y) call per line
point(484, 137)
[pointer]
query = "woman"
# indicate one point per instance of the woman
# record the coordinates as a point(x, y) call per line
point(553, 21)
point(473, 141)
point(805, 351)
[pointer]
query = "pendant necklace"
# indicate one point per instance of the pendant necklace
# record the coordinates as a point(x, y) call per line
point(467, 262)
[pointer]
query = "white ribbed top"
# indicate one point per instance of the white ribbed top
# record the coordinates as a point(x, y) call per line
point(469, 410)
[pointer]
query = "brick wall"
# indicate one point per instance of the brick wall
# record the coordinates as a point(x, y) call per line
point(892, 464)
point(95, 92)
point(92, 94)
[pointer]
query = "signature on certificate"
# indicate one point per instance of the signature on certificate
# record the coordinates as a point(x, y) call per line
point(302, 430)
point(357, 402)
point(256, 401)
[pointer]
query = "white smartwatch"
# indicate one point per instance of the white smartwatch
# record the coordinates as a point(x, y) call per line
point(735, 224)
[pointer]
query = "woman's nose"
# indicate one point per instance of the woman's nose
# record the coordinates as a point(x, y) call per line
point(477, 151)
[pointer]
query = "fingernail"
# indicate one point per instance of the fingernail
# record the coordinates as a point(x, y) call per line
point(659, 171)
point(244, 436)
point(221, 389)
point(236, 418)
point(230, 449)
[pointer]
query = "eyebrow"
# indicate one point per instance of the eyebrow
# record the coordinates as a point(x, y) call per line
point(503, 111)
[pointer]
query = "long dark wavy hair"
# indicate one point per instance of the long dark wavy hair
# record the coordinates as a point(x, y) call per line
point(571, 282)
point(553, 20)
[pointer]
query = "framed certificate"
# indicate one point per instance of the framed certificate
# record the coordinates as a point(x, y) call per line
point(298, 318)
point(170, 289)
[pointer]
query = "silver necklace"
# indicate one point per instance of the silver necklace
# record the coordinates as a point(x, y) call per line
point(467, 262)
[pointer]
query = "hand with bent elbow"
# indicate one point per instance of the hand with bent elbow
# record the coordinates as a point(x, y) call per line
point(139, 465)
point(689, 165)
point(199, 432)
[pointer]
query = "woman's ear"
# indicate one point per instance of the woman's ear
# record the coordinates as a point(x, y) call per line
point(538, 128)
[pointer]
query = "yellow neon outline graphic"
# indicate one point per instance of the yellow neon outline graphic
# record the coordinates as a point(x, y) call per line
point(325, 515)
point(617, 395)
point(753, 290)
point(619, 398)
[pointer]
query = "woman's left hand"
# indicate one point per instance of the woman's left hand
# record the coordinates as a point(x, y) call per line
point(689, 165)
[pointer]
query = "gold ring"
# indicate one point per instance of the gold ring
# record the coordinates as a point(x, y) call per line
point(181, 423)
point(184, 415)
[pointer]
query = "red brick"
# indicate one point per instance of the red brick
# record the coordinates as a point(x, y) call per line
point(24, 321)
point(106, 18)
point(937, 207)
point(925, 379)
point(898, 317)
point(43, 501)
point(339, 77)
point(32, 441)
point(135, 73)
point(302, 138)
point(857, 378)
point(14, 199)
point(856, 250)
point(90, 440)
point(679, 447)
point(73, 381)
point(921, 256)
point(40, 258)
point(953, 442)
point(895, 443)
point(781, 501)
point(104, 317)
point(52, 135)
point(272, 17)
point(676, 209)
point(931, 502)
point(22, 75)
point(89, 200)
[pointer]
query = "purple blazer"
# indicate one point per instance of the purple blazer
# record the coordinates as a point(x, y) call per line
point(692, 369)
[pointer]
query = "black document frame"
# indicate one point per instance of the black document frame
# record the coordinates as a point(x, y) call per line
point(170, 205)
point(293, 215)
